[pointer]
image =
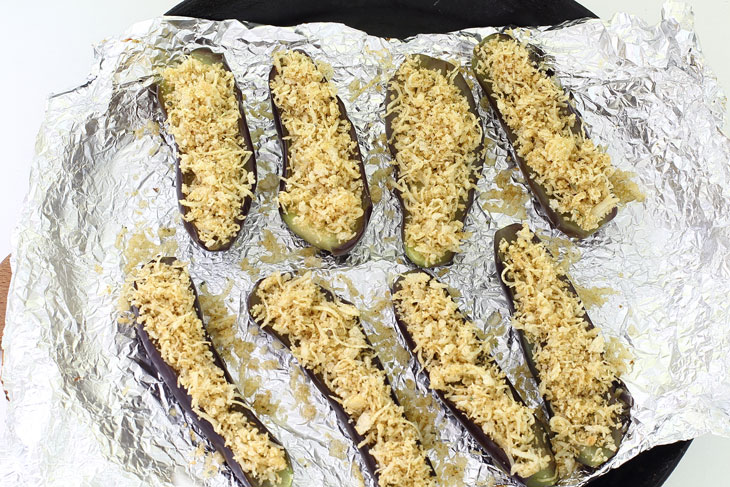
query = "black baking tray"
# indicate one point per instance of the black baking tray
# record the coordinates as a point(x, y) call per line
point(404, 18)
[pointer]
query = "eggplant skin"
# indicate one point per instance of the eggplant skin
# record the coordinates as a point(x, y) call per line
point(169, 377)
point(322, 242)
point(318, 381)
point(557, 220)
point(618, 392)
point(207, 56)
point(544, 478)
point(444, 68)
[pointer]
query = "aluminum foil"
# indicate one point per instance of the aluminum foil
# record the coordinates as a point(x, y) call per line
point(83, 407)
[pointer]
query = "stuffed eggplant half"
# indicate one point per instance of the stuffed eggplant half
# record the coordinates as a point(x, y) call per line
point(468, 381)
point(568, 175)
point(215, 167)
point(324, 334)
point(323, 192)
point(170, 326)
point(589, 405)
point(436, 140)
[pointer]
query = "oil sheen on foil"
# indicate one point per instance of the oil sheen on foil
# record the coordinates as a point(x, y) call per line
point(84, 408)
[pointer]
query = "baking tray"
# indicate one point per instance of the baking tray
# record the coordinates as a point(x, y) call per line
point(405, 18)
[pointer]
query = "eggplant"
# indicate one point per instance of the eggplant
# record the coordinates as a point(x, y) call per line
point(328, 243)
point(170, 378)
point(445, 68)
point(543, 478)
point(207, 56)
point(558, 220)
point(618, 392)
point(319, 382)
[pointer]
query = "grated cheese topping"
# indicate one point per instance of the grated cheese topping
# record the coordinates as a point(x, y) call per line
point(458, 365)
point(203, 116)
point(575, 375)
point(165, 301)
point(435, 136)
point(327, 338)
point(573, 171)
point(324, 185)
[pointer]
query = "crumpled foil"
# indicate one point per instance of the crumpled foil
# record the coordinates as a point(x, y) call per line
point(85, 410)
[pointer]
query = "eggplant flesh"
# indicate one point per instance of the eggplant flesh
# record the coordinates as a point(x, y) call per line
point(207, 56)
point(319, 382)
point(544, 478)
point(323, 241)
point(445, 68)
point(558, 220)
point(588, 456)
point(170, 378)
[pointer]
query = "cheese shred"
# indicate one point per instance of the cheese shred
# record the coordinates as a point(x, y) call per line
point(575, 375)
point(573, 171)
point(436, 137)
point(327, 338)
point(163, 296)
point(203, 116)
point(458, 365)
point(324, 184)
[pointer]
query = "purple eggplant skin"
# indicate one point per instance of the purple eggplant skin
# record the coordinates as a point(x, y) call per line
point(545, 477)
point(207, 56)
point(338, 249)
point(558, 220)
point(319, 382)
point(444, 68)
point(170, 378)
point(618, 393)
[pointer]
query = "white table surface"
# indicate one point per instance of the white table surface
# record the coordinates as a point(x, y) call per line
point(55, 54)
